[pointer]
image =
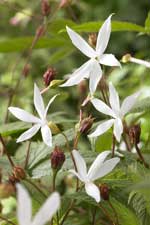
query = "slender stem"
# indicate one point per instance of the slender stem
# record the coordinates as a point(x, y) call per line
point(94, 217)
point(28, 154)
point(113, 145)
point(127, 143)
point(54, 188)
point(76, 140)
point(106, 213)
point(6, 152)
point(67, 212)
point(141, 156)
point(35, 186)
point(113, 209)
point(8, 221)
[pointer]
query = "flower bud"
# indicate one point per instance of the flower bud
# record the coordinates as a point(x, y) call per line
point(92, 39)
point(18, 173)
point(134, 134)
point(57, 158)
point(6, 190)
point(48, 76)
point(45, 8)
point(86, 124)
point(104, 190)
point(126, 58)
point(40, 31)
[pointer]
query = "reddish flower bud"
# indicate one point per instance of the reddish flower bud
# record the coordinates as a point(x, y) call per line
point(48, 76)
point(104, 190)
point(18, 173)
point(134, 134)
point(86, 124)
point(92, 39)
point(45, 8)
point(57, 158)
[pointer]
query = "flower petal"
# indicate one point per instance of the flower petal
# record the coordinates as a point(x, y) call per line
point(102, 107)
point(103, 36)
point(114, 99)
point(81, 165)
point(97, 163)
point(102, 128)
point(46, 135)
point(29, 133)
point(23, 115)
point(48, 210)
point(118, 129)
point(109, 60)
point(24, 207)
point(48, 105)
point(77, 175)
point(95, 76)
point(129, 102)
point(105, 168)
point(93, 191)
point(38, 102)
point(80, 74)
point(80, 43)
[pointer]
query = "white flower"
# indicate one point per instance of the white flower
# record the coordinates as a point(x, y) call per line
point(92, 69)
point(24, 208)
point(114, 111)
point(98, 169)
point(39, 123)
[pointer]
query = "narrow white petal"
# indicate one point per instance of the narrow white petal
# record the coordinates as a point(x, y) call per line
point(114, 99)
point(48, 105)
point(77, 175)
point(105, 168)
point(80, 74)
point(24, 207)
point(48, 210)
point(103, 36)
point(129, 102)
point(102, 128)
point(38, 101)
point(23, 115)
point(80, 43)
point(29, 133)
point(118, 129)
point(46, 135)
point(80, 163)
point(102, 107)
point(93, 191)
point(95, 76)
point(109, 60)
point(97, 163)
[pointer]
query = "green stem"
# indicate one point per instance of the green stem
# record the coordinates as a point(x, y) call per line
point(36, 187)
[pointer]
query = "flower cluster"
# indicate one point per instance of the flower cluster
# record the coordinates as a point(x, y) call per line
point(89, 70)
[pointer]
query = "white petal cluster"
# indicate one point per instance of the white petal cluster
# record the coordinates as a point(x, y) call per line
point(24, 208)
point(38, 122)
point(99, 168)
point(91, 69)
point(115, 111)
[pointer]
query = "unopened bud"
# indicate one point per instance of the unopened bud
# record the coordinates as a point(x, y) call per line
point(134, 134)
point(57, 158)
point(48, 76)
point(104, 190)
point(6, 190)
point(126, 58)
point(86, 124)
point(45, 8)
point(18, 173)
point(26, 70)
point(92, 39)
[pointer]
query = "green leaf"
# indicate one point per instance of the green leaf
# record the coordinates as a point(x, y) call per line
point(103, 142)
point(59, 24)
point(60, 54)
point(142, 106)
point(147, 22)
point(13, 128)
point(116, 26)
point(23, 43)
